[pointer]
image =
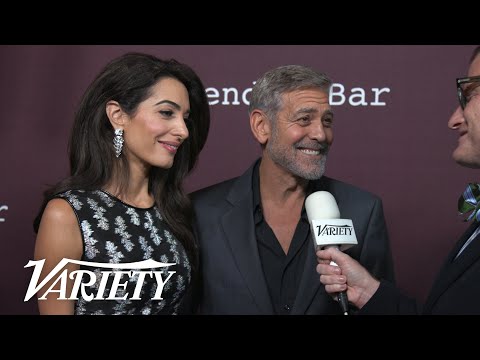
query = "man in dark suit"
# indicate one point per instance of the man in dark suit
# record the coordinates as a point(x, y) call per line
point(255, 249)
point(456, 289)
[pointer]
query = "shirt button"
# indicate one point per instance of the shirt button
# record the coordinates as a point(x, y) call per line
point(286, 307)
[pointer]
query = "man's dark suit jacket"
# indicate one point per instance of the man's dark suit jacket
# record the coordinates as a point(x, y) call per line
point(456, 289)
point(232, 277)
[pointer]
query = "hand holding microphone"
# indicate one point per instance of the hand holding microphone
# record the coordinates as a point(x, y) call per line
point(328, 230)
point(360, 283)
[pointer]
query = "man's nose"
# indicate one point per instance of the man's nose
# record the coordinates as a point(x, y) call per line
point(456, 119)
point(317, 131)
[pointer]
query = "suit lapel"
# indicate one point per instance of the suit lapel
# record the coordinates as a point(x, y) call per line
point(239, 229)
point(453, 268)
point(310, 283)
point(451, 256)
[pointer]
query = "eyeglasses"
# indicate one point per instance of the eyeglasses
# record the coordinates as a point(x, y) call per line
point(465, 87)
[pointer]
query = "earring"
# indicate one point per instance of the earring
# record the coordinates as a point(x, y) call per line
point(118, 142)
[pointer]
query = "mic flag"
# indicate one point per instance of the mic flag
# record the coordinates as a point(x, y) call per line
point(326, 225)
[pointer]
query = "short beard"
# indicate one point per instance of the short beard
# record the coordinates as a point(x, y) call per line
point(280, 155)
point(314, 173)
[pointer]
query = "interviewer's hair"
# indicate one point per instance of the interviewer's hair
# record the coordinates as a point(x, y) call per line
point(268, 90)
point(475, 53)
point(129, 80)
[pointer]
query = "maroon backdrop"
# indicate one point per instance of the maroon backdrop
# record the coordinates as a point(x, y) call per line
point(398, 146)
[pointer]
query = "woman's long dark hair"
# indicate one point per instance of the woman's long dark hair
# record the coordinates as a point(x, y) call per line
point(128, 80)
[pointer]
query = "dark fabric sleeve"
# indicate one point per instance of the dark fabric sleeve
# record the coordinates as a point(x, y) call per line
point(376, 254)
point(388, 300)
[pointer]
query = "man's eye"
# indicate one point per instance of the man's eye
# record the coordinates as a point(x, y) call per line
point(328, 121)
point(471, 91)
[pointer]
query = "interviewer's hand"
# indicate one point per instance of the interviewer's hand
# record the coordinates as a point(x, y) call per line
point(349, 275)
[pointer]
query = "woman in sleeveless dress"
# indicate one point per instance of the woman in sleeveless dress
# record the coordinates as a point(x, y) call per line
point(120, 226)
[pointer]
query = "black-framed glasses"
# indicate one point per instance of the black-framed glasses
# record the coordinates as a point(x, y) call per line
point(465, 87)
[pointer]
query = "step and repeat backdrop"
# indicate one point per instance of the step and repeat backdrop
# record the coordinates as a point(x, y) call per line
point(391, 106)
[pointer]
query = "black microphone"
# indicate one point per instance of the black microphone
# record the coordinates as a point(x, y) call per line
point(329, 230)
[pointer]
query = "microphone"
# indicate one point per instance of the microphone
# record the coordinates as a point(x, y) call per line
point(329, 230)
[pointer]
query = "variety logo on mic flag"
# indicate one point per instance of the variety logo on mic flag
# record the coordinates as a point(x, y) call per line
point(334, 232)
point(118, 271)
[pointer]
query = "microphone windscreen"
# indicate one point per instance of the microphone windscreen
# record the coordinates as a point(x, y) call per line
point(321, 205)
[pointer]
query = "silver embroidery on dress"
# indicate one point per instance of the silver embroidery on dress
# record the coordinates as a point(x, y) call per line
point(153, 229)
point(147, 249)
point(114, 232)
point(115, 255)
point(99, 211)
point(134, 218)
point(158, 215)
point(105, 198)
point(90, 249)
point(73, 199)
point(120, 228)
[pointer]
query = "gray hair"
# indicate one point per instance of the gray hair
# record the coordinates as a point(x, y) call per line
point(268, 90)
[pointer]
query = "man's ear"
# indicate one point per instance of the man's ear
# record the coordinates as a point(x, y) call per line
point(260, 126)
point(115, 114)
